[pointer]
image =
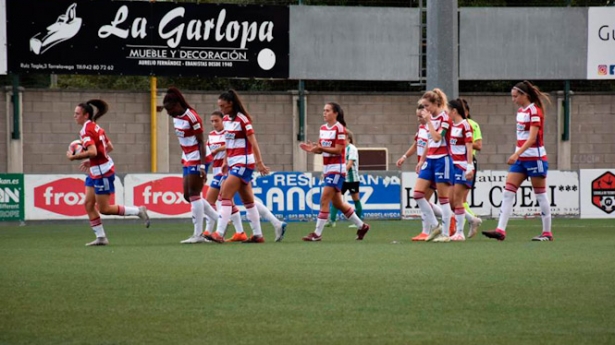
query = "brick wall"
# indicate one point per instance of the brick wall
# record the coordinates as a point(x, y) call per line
point(378, 120)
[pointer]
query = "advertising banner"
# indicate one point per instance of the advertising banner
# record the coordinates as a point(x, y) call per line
point(486, 198)
point(11, 197)
point(598, 193)
point(61, 197)
point(147, 38)
point(601, 43)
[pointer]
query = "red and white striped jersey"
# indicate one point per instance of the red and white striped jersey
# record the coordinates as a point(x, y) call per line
point(461, 133)
point(439, 149)
point(331, 137)
point(421, 138)
point(526, 118)
point(93, 135)
point(238, 148)
point(187, 126)
point(216, 140)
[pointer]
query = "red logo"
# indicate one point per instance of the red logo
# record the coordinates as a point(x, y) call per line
point(602, 70)
point(603, 192)
point(164, 196)
point(65, 196)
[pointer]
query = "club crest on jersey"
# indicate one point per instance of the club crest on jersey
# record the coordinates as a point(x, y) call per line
point(456, 132)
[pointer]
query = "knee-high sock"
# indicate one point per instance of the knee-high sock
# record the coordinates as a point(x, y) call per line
point(508, 199)
point(426, 209)
point(266, 213)
point(210, 210)
point(424, 225)
point(460, 213)
point(254, 219)
point(333, 214)
point(437, 210)
point(123, 210)
point(97, 227)
point(226, 208)
point(320, 222)
point(358, 208)
point(236, 219)
point(447, 214)
point(353, 217)
point(545, 208)
point(196, 205)
point(210, 223)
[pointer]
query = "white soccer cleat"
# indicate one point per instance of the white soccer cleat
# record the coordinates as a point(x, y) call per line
point(441, 239)
point(99, 241)
point(280, 232)
point(143, 215)
point(435, 231)
point(458, 238)
point(474, 227)
point(194, 239)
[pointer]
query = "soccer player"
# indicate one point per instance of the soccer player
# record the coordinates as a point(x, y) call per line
point(189, 130)
point(242, 156)
point(529, 159)
point(477, 145)
point(352, 180)
point(460, 142)
point(99, 185)
point(418, 147)
point(217, 145)
point(331, 143)
point(435, 165)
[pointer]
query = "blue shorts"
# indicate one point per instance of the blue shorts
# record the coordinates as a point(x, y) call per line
point(103, 185)
point(243, 173)
point(216, 182)
point(194, 170)
point(335, 180)
point(460, 177)
point(437, 170)
point(530, 168)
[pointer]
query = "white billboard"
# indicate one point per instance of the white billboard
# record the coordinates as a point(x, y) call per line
point(486, 198)
point(598, 193)
point(601, 43)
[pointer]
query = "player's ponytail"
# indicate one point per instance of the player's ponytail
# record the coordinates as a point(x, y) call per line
point(350, 136)
point(232, 97)
point(533, 93)
point(466, 107)
point(340, 112)
point(101, 108)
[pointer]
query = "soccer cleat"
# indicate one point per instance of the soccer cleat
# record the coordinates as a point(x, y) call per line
point(496, 234)
point(330, 224)
point(99, 241)
point(280, 232)
point(238, 237)
point(352, 226)
point(435, 231)
point(255, 239)
point(194, 239)
point(206, 233)
point(420, 237)
point(362, 232)
point(215, 237)
point(543, 237)
point(143, 215)
point(458, 238)
point(474, 225)
point(441, 239)
point(312, 237)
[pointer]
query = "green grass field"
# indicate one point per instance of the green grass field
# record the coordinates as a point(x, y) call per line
point(146, 288)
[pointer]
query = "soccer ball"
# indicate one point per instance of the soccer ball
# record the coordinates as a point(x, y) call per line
point(75, 146)
point(607, 203)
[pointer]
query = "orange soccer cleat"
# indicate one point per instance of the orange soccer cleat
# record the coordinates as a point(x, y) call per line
point(238, 237)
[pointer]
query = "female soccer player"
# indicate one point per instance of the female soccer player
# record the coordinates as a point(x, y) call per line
point(99, 185)
point(435, 165)
point(242, 156)
point(352, 180)
point(216, 144)
point(463, 167)
point(189, 130)
point(477, 145)
point(529, 159)
point(331, 145)
point(418, 146)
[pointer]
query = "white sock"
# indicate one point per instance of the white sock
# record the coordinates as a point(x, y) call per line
point(209, 211)
point(265, 213)
point(320, 222)
point(97, 227)
point(196, 204)
point(426, 210)
point(545, 211)
point(226, 208)
point(447, 214)
point(236, 219)
point(459, 217)
point(507, 204)
point(210, 223)
point(436, 209)
point(255, 219)
point(128, 210)
point(351, 215)
point(425, 226)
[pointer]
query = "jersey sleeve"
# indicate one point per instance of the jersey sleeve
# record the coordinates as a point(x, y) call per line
point(536, 118)
point(340, 138)
point(88, 137)
point(468, 133)
point(476, 131)
point(353, 153)
point(247, 126)
point(197, 124)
